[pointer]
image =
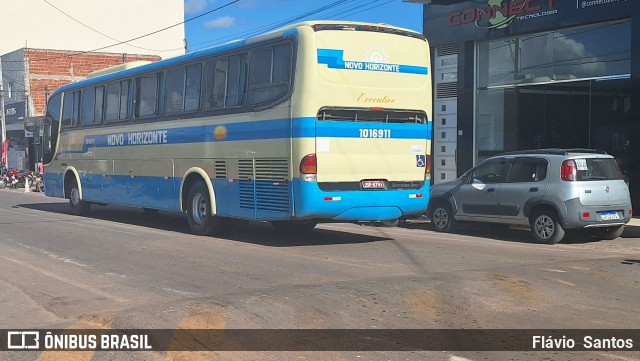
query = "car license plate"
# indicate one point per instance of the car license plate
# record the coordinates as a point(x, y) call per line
point(372, 184)
point(608, 216)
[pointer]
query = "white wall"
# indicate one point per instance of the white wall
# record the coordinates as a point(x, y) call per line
point(35, 24)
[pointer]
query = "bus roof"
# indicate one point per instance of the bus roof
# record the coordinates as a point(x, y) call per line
point(104, 75)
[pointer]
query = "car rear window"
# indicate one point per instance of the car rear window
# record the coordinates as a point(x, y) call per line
point(593, 169)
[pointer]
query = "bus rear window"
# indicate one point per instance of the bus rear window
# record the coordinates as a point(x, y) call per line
point(372, 115)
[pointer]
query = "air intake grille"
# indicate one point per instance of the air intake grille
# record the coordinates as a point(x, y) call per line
point(272, 184)
point(451, 49)
point(447, 90)
point(245, 173)
point(221, 169)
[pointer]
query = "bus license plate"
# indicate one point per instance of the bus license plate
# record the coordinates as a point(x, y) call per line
point(372, 184)
point(608, 216)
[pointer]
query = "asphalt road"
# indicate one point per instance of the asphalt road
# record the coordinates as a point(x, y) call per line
point(122, 268)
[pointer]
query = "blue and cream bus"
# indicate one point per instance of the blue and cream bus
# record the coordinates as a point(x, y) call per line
point(317, 121)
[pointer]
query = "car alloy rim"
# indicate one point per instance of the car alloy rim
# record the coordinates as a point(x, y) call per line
point(544, 227)
point(440, 218)
point(199, 208)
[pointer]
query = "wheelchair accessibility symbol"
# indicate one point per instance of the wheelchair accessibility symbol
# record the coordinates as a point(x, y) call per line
point(421, 160)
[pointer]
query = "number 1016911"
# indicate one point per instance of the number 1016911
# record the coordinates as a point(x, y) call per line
point(375, 133)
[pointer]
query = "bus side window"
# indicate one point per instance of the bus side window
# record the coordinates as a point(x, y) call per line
point(113, 102)
point(174, 91)
point(76, 108)
point(51, 123)
point(237, 81)
point(145, 96)
point(125, 99)
point(192, 88)
point(87, 111)
point(215, 84)
point(67, 110)
point(98, 110)
point(270, 73)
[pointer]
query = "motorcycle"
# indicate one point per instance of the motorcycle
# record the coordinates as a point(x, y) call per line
point(19, 179)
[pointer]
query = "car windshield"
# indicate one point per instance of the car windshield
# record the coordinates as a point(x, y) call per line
point(597, 169)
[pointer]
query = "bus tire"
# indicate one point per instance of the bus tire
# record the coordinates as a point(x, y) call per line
point(78, 206)
point(201, 221)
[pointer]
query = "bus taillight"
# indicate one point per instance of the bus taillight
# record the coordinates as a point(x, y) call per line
point(427, 168)
point(309, 168)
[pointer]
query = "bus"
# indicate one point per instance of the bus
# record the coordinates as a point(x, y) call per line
point(317, 121)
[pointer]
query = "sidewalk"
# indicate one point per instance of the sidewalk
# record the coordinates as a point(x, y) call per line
point(635, 222)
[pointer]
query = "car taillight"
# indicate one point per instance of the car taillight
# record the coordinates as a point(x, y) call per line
point(568, 170)
point(427, 170)
point(309, 168)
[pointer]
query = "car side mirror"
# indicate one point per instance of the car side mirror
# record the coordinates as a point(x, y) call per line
point(466, 179)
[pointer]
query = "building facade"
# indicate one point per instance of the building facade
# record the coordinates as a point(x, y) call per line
point(530, 74)
point(29, 76)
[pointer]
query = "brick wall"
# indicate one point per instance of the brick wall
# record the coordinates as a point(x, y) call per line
point(49, 69)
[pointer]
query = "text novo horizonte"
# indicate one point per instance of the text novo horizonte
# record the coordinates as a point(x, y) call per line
point(138, 138)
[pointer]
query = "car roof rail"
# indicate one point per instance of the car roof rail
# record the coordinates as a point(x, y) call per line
point(556, 151)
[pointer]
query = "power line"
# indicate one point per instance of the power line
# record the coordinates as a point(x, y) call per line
point(132, 39)
point(101, 33)
point(274, 25)
point(282, 23)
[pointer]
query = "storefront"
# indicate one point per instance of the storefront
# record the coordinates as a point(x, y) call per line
point(530, 74)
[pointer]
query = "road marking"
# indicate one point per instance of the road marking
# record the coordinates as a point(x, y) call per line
point(458, 358)
point(53, 255)
point(565, 282)
point(181, 293)
point(618, 357)
point(554, 270)
point(109, 229)
point(67, 280)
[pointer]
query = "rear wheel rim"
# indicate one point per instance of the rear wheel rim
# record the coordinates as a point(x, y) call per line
point(544, 227)
point(75, 197)
point(440, 218)
point(199, 208)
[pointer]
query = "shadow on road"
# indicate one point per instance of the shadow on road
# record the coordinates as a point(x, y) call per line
point(260, 233)
point(519, 235)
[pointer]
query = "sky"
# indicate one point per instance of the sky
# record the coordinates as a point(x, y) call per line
point(236, 19)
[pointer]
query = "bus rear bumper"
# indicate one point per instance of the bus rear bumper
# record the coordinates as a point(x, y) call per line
point(371, 205)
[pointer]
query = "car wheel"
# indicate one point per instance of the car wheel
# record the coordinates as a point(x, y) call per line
point(201, 221)
point(546, 228)
point(442, 217)
point(608, 233)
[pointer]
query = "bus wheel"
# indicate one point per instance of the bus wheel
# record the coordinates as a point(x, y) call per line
point(201, 221)
point(294, 226)
point(391, 222)
point(78, 206)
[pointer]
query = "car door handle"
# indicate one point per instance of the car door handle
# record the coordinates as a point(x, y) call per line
point(533, 189)
point(491, 190)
